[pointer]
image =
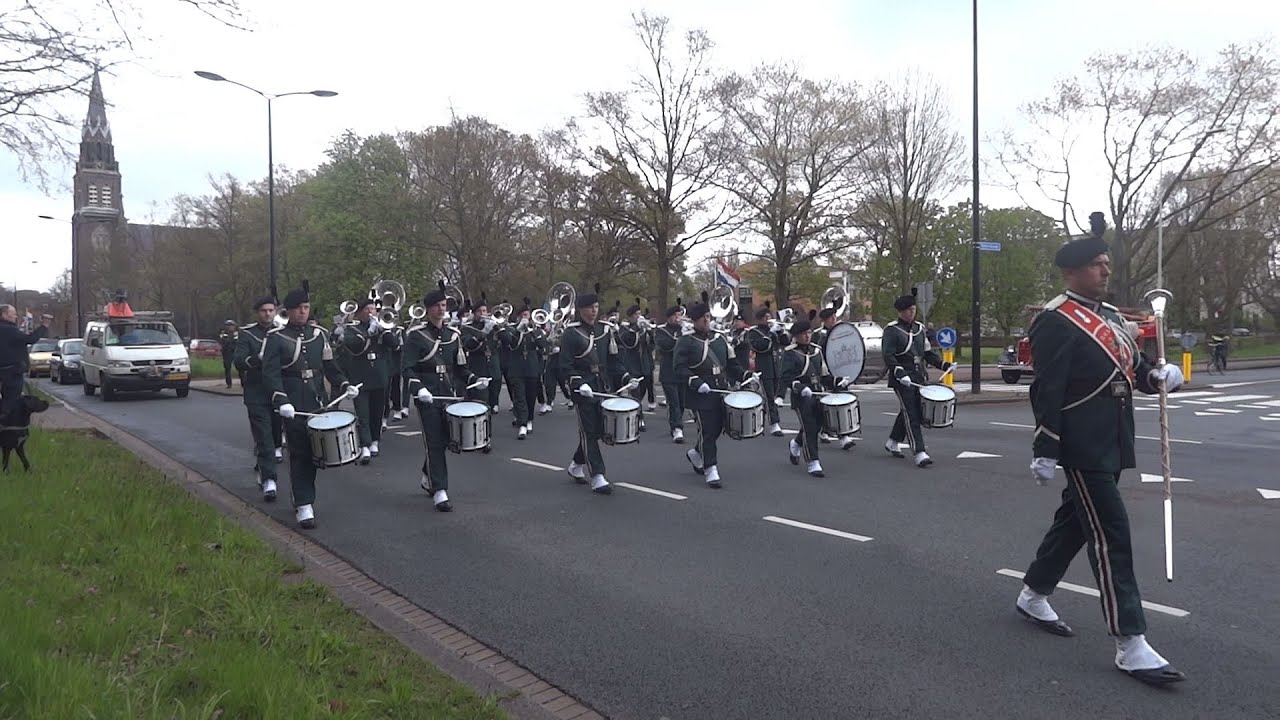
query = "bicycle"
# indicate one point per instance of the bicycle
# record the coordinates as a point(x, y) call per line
point(1217, 362)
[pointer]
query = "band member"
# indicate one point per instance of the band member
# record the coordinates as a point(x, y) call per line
point(397, 407)
point(551, 373)
point(227, 339)
point(1087, 367)
point(804, 369)
point(635, 353)
point(705, 361)
point(265, 426)
point(826, 316)
point(525, 345)
point(587, 350)
point(767, 341)
point(905, 348)
point(665, 338)
point(368, 350)
point(295, 363)
point(436, 365)
point(480, 344)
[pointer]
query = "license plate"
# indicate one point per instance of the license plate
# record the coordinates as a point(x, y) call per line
point(177, 376)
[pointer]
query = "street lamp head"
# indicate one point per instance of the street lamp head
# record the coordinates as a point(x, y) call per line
point(210, 76)
point(323, 93)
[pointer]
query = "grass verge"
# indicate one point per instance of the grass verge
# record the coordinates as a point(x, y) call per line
point(123, 596)
point(204, 368)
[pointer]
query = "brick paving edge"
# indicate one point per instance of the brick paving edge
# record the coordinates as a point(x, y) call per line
point(452, 650)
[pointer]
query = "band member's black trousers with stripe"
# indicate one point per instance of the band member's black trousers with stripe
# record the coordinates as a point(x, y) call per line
point(369, 407)
point(435, 435)
point(674, 394)
point(395, 394)
point(770, 383)
point(590, 428)
point(710, 426)
point(809, 412)
point(907, 426)
point(524, 396)
point(264, 425)
point(302, 468)
point(1093, 514)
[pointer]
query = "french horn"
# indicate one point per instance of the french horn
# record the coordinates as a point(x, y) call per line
point(835, 299)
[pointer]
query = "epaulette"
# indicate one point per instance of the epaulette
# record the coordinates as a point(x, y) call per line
point(573, 324)
point(1056, 303)
point(250, 326)
point(276, 329)
point(792, 346)
point(891, 324)
point(1111, 307)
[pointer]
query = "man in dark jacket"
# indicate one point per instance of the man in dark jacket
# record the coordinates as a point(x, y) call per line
point(227, 339)
point(13, 355)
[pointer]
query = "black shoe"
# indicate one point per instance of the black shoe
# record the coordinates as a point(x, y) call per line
point(795, 459)
point(714, 484)
point(603, 490)
point(487, 449)
point(1159, 677)
point(1053, 627)
point(818, 473)
point(444, 506)
point(308, 524)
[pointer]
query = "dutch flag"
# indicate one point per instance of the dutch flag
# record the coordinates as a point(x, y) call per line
point(725, 275)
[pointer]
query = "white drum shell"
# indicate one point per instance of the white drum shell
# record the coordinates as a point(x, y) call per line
point(937, 406)
point(621, 421)
point(744, 415)
point(469, 426)
point(841, 414)
point(333, 437)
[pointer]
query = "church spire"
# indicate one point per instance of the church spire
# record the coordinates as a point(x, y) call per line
point(96, 149)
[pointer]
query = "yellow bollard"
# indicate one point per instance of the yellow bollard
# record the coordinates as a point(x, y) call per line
point(1186, 366)
point(949, 355)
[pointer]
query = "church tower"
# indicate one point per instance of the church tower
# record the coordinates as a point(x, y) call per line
point(97, 219)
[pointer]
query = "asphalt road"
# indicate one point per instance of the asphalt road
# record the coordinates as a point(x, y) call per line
point(649, 606)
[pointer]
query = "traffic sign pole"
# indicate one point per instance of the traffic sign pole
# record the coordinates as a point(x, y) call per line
point(949, 355)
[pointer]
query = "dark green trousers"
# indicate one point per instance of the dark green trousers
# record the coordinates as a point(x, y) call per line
point(809, 411)
point(524, 397)
point(770, 383)
point(261, 418)
point(710, 425)
point(907, 425)
point(435, 435)
point(1093, 514)
point(302, 469)
point(674, 394)
point(370, 405)
point(590, 428)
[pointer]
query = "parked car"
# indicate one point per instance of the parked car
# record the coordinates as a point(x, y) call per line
point(39, 355)
point(206, 348)
point(1241, 332)
point(64, 368)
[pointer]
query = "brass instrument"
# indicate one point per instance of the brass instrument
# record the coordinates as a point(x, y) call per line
point(502, 313)
point(417, 311)
point(724, 308)
point(561, 299)
point(539, 317)
point(455, 301)
point(389, 296)
point(835, 299)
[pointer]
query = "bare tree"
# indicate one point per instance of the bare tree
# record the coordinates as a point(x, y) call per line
point(916, 158)
point(790, 145)
point(49, 50)
point(1181, 141)
point(660, 147)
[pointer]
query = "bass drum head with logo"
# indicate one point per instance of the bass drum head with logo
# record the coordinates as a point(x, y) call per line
point(845, 352)
point(467, 409)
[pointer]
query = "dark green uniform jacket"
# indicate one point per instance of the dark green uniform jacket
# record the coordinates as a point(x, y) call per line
point(525, 350)
point(665, 339)
point(1082, 397)
point(588, 354)
point(368, 356)
point(295, 364)
point(434, 359)
point(635, 350)
point(906, 349)
point(806, 365)
point(706, 358)
point(248, 361)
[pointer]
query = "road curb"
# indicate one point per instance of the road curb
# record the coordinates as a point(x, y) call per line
point(484, 669)
point(216, 391)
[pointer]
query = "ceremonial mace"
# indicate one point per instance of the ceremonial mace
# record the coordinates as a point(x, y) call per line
point(1159, 299)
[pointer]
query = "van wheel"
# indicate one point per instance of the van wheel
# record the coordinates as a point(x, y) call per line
point(108, 392)
point(1011, 376)
point(183, 391)
point(89, 389)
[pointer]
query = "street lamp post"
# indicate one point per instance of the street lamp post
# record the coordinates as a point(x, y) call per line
point(271, 166)
point(975, 371)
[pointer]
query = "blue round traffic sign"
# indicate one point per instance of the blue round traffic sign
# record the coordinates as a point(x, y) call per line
point(947, 338)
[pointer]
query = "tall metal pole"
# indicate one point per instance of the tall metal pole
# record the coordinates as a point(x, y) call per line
point(1160, 255)
point(270, 199)
point(975, 380)
point(75, 272)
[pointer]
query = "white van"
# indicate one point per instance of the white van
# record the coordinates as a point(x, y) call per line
point(143, 352)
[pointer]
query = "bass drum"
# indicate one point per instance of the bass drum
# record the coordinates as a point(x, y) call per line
point(845, 351)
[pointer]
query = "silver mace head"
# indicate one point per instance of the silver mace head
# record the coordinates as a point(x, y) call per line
point(1158, 299)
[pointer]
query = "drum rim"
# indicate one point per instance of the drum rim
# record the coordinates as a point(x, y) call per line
point(757, 400)
point(456, 409)
point(825, 399)
point(935, 387)
point(331, 416)
point(631, 404)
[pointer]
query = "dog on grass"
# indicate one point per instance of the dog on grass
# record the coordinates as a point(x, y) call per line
point(16, 426)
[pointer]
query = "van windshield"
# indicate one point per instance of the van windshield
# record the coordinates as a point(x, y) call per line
point(142, 334)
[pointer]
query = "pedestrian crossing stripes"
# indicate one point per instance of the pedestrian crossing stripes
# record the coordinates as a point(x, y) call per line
point(1213, 403)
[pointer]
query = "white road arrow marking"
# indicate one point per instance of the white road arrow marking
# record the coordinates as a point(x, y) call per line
point(967, 454)
point(1269, 494)
point(1148, 477)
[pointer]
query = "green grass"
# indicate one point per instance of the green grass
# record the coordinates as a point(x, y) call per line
point(208, 368)
point(123, 597)
point(1240, 349)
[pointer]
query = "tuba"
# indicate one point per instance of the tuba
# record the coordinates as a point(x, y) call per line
point(455, 302)
point(724, 308)
point(560, 300)
point(835, 299)
point(389, 296)
point(502, 313)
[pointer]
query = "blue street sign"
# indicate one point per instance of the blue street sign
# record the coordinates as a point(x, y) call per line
point(947, 338)
point(989, 246)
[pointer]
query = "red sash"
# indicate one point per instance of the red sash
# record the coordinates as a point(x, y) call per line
point(1102, 333)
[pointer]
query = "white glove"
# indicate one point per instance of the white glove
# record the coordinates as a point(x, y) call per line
point(482, 383)
point(1042, 470)
point(905, 381)
point(489, 324)
point(844, 382)
point(703, 389)
point(523, 324)
point(585, 390)
point(286, 411)
point(424, 396)
point(1169, 375)
point(373, 324)
point(947, 366)
point(631, 386)
point(353, 392)
point(805, 392)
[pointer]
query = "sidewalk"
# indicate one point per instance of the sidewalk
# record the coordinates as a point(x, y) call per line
point(217, 386)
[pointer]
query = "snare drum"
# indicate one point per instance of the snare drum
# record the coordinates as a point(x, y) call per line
point(744, 413)
point(469, 426)
point(841, 415)
point(333, 439)
point(937, 406)
point(621, 420)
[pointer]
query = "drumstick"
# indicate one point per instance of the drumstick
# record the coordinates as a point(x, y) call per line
point(339, 399)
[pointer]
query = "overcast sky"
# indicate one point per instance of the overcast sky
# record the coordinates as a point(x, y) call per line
point(524, 65)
